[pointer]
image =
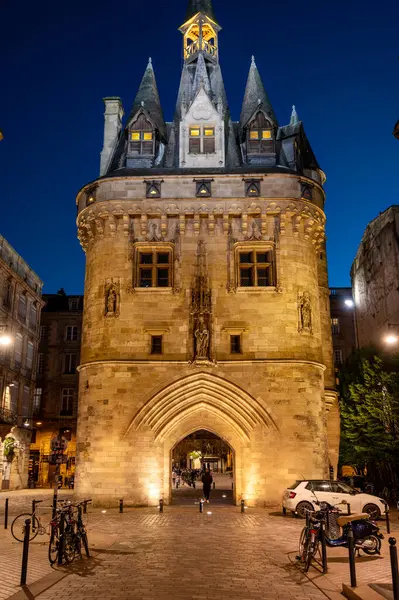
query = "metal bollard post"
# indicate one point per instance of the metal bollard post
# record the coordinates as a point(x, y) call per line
point(25, 553)
point(323, 547)
point(84, 507)
point(6, 514)
point(201, 506)
point(55, 498)
point(161, 505)
point(61, 542)
point(393, 552)
point(33, 512)
point(242, 506)
point(121, 506)
point(387, 518)
point(214, 485)
point(349, 509)
point(351, 549)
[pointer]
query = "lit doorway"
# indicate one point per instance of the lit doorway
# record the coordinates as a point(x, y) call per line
point(190, 458)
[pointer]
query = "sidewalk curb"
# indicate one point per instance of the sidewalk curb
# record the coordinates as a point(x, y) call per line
point(363, 592)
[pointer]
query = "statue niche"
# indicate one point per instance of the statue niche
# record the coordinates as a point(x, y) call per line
point(304, 313)
point(112, 299)
point(201, 310)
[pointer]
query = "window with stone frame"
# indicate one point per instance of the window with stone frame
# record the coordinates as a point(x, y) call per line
point(29, 355)
point(67, 402)
point(40, 364)
point(70, 364)
point(252, 188)
point(255, 266)
point(235, 344)
point(37, 400)
point(71, 333)
point(260, 135)
point(156, 344)
point(7, 293)
point(43, 333)
point(306, 191)
point(201, 139)
point(91, 194)
point(22, 306)
point(203, 188)
point(33, 315)
point(153, 266)
point(141, 137)
point(153, 188)
point(335, 326)
point(338, 357)
point(18, 346)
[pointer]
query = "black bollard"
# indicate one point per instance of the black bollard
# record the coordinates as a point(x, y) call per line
point(6, 514)
point(214, 485)
point(61, 543)
point(387, 518)
point(33, 514)
point(201, 506)
point(393, 551)
point(25, 553)
point(242, 506)
point(121, 506)
point(84, 507)
point(323, 547)
point(161, 506)
point(351, 550)
point(55, 499)
point(349, 509)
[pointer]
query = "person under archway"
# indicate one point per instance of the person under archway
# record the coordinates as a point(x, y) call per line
point(206, 483)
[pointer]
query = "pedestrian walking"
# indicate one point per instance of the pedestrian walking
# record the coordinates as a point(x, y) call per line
point(174, 479)
point(206, 484)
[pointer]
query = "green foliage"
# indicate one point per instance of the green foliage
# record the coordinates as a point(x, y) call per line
point(369, 405)
point(9, 448)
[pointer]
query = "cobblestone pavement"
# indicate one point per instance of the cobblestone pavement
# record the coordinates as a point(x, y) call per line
point(183, 554)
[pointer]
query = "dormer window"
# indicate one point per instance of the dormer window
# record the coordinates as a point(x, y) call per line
point(141, 138)
point(260, 139)
point(202, 140)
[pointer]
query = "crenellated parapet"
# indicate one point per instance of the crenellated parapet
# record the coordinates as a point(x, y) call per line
point(146, 220)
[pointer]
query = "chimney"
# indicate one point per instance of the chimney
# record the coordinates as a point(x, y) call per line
point(112, 125)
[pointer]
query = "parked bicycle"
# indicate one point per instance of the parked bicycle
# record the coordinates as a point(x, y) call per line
point(366, 533)
point(37, 526)
point(68, 534)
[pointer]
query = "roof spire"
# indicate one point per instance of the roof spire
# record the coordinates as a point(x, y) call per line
point(201, 78)
point(255, 97)
point(147, 98)
point(294, 116)
point(200, 6)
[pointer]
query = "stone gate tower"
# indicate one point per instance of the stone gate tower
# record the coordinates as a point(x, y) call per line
point(206, 293)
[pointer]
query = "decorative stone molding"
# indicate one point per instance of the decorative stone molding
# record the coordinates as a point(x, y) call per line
point(258, 221)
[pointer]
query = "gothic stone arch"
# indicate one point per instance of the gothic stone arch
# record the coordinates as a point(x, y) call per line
point(203, 401)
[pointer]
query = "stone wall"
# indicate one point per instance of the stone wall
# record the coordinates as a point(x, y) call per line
point(269, 402)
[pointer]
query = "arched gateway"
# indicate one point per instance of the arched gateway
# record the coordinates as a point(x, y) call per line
point(206, 293)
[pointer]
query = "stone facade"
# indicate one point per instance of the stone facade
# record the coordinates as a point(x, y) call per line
point(273, 401)
point(55, 408)
point(343, 325)
point(375, 281)
point(20, 306)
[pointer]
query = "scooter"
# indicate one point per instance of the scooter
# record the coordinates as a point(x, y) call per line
point(366, 533)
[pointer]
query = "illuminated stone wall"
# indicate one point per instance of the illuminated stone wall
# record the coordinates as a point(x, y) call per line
point(272, 403)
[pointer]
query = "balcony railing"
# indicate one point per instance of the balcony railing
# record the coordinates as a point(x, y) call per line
point(7, 416)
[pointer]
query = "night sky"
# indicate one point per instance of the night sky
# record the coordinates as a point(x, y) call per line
point(337, 61)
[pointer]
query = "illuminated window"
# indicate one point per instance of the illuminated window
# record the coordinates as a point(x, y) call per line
point(252, 187)
point(203, 188)
point(335, 328)
point(255, 268)
point(153, 189)
point(204, 32)
point(142, 138)
point(37, 400)
point(91, 195)
point(154, 268)
point(260, 135)
point(202, 140)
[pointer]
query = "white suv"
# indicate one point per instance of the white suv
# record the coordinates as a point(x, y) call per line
point(302, 496)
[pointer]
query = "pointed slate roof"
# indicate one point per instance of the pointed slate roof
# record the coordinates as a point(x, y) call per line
point(201, 77)
point(148, 98)
point(255, 96)
point(202, 6)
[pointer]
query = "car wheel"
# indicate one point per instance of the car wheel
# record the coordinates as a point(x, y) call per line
point(303, 508)
point(372, 510)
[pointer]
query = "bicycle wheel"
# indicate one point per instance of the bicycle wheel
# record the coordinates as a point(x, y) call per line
point(53, 549)
point(85, 543)
point(69, 546)
point(18, 527)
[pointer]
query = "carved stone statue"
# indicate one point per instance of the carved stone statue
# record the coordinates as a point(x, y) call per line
point(305, 313)
point(112, 299)
point(202, 339)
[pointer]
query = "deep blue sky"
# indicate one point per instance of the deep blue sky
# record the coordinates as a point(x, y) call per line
point(335, 60)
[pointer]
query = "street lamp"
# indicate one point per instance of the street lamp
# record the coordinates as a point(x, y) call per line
point(5, 340)
point(349, 303)
point(391, 339)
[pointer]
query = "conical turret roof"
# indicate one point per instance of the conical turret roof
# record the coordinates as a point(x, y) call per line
point(202, 6)
point(148, 98)
point(255, 96)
